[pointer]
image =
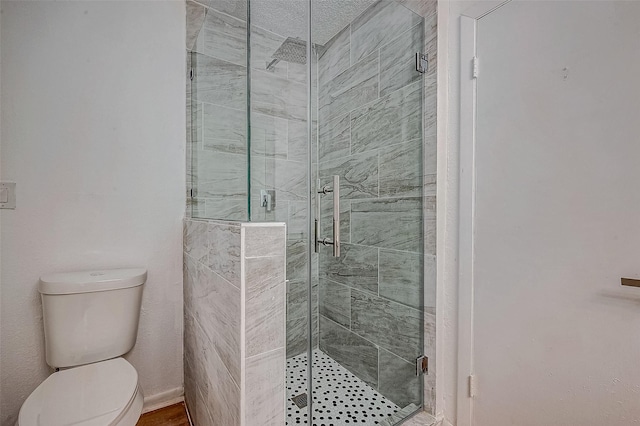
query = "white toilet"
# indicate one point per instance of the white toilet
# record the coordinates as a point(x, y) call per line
point(90, 320)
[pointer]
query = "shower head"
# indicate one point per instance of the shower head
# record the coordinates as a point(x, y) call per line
point(291, 50)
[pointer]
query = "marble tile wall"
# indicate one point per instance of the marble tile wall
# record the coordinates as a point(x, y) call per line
point(234, 316)
point(376, 127)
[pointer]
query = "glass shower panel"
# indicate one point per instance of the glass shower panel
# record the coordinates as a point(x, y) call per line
point(219, 124)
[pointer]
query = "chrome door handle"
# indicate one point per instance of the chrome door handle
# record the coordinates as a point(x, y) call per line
point(336, 216)
point(335, 242)
point(316, 227)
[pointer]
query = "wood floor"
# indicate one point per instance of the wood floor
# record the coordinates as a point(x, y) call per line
point(173, 415)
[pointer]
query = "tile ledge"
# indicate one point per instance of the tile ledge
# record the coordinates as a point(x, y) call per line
point(262, 224)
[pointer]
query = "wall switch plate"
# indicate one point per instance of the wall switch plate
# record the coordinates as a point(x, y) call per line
point(7, 195)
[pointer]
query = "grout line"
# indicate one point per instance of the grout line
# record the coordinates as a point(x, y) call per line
point(390, 249)
point(186, 408)
point(403, 33)
point(378, 174)
point(350, 45)
point(400, 358)
point(350, 310)
point(288, 141)
point(350, 331)
point(243, 324)
point(243, 66)
point(350, 133)
point(266, 353)
point(215, 351)
point(208, 240)
point(275, 256)
point(378, 366)
point(378, 265)
point(370, 294)
point(208, 7)
point(377, 346)
point(206, 408)
point(221, 277)
point(280, 78)
point(350, 221)
point(372, 102)
point(379, 89)
point(200, 125)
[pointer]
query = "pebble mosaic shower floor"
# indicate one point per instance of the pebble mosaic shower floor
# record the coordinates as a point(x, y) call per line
point(340, 398)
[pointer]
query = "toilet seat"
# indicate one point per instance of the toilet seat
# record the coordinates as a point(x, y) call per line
point(105, 393)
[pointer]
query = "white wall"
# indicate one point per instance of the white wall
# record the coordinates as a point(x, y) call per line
point(93, 134)
point(449, 14)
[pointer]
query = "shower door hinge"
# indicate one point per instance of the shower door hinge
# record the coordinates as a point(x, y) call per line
point(475, 67)
point(422, 62)
point(191, 74)
point(422, 365)
point(473, 386)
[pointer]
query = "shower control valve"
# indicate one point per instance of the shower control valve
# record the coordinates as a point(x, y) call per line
point(268, 199)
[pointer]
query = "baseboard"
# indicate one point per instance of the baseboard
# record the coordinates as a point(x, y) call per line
point(163, 399)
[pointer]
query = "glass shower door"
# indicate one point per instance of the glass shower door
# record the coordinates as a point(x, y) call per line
point(369, 164)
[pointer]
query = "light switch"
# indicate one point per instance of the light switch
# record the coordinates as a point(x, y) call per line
point(7, 195)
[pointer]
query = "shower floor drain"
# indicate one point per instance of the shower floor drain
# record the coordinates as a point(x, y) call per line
point(300, 400)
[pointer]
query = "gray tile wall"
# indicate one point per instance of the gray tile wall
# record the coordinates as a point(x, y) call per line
point(376, 118)
point(234, 339)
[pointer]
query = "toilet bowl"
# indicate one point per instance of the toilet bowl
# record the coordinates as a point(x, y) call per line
point(105, 393)
point(90, 321)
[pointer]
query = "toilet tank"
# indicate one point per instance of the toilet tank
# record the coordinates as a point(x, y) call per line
point(90, 316)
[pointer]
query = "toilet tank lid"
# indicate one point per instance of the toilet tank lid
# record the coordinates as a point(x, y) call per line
point(91, 281)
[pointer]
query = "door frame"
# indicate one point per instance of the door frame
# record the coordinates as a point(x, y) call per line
point(466, 224)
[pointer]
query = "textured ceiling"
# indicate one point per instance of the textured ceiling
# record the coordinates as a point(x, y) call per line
point(288, 18)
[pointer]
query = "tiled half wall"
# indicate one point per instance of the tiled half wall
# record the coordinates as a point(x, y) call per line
point(234, 319)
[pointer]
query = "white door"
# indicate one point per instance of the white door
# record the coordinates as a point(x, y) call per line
point(557, 224)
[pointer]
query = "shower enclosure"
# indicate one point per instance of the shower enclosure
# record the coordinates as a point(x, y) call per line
point(336, 138)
